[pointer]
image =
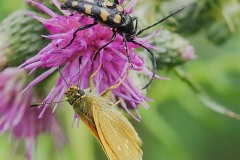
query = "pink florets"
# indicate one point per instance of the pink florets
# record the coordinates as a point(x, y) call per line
point(17, 117)
point(113, 58)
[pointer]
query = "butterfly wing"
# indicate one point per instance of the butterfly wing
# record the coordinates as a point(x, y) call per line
point(93, 130)
point(91, 127)
point(118, 137)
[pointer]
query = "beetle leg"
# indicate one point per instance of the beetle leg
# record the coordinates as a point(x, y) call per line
point(126, 48)
point(79, 29)
point(136, 24)
point(153, 62)
point(116, 1)
point(99, 49)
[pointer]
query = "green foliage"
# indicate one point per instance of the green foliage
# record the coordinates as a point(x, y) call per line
point(177, 126)
point(8, 6)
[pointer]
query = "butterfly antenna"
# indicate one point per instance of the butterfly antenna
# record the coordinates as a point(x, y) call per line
point(44, 103)
point(165, 18)
point(79, 63)
point(63, 77)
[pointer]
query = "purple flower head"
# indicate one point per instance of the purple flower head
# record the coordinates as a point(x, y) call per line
point(76, 59)
point(17, 117)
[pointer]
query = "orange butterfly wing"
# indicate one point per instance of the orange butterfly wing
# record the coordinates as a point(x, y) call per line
point(118, 137)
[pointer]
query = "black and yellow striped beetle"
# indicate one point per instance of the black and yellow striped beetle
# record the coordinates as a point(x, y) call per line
point(112, 14)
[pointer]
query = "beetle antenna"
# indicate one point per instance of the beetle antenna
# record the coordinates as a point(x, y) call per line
point(165, 18)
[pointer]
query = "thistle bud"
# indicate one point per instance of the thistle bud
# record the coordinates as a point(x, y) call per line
point(176, 49)
point(19, 38)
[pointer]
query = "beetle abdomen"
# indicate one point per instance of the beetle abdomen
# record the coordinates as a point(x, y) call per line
point(105, 12)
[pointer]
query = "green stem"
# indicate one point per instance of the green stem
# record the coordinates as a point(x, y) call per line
point(202, 95)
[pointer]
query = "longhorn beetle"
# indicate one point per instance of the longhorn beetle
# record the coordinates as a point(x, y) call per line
point(112, 14)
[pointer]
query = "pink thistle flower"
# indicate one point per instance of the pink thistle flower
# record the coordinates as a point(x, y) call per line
point(17, 117)
point(112, 58)
point(189, 53)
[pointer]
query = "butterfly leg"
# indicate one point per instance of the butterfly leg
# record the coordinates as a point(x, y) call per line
point(116, 103)
point(114, 86)
point(91, 80)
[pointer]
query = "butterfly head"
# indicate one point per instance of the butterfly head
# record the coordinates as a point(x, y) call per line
point(74, 91)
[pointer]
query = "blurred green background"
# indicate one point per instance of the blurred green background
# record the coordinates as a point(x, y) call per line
point(177, 126)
